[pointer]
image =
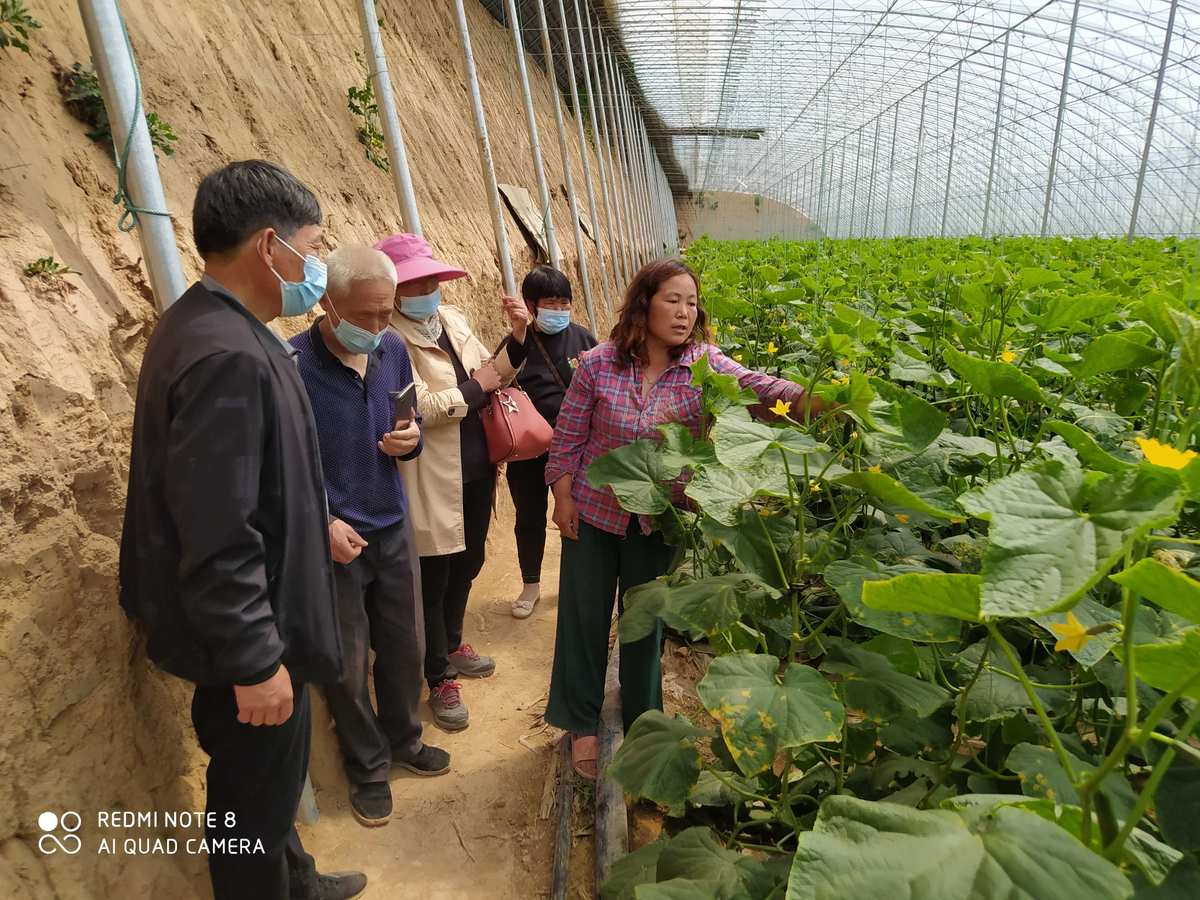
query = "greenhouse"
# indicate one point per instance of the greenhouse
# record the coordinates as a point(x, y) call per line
point(616, 449)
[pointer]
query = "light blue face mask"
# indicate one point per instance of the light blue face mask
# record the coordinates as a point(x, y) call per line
point(353, 338)
point(298, 297)
point(421, 308)
point(552, 321)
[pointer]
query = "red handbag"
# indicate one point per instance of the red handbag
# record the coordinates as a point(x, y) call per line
point(514, 429)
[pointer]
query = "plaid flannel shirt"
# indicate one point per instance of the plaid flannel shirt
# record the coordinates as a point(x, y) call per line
point(603, 409)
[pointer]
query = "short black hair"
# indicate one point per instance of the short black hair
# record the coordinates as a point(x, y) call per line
point(234, 202)
point(543, 282)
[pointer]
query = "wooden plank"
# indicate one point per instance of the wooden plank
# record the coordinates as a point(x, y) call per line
point(612, 821)
point(562, 834)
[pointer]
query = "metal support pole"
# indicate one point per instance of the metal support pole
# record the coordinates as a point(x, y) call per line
point(1162, 71)
point(887, 200)
point(485, 153)
point(912, 208)
point(116, 69)
point(583, 147)
point(621, 154)
point(950, 161)
point(634, 168)
point(539, 168)
point(613, 150)
point(568, 176)
point(871, 189)
point(987, 195)
point(822, 203)
point(854, 197)
point(1062, 108)
point(599, 119)
point(394, 138)
point(841, 184)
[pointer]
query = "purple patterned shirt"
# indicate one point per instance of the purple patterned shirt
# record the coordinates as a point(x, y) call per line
point(603, 410)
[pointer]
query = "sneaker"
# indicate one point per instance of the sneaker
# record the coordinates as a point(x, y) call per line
point(371, 804)
point(429, 761)
point(466, 662)
point(449, 712)
point(339, 885)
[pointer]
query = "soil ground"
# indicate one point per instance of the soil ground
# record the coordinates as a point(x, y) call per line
point(477, 831)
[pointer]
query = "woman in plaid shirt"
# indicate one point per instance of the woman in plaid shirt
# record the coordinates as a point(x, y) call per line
point(622, 391)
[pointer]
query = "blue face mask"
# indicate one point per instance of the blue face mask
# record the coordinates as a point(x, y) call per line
point(552, 321)
point(421, 308)
point(298, 297)
point(353, 338)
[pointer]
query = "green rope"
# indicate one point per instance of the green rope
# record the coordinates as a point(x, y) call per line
point(129, 217)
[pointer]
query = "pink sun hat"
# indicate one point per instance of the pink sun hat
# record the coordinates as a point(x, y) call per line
point(413, 258)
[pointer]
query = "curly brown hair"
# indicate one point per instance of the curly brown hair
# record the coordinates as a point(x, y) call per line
point(629, 334)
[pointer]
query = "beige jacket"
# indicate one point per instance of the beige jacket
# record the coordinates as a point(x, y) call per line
point(433, 481)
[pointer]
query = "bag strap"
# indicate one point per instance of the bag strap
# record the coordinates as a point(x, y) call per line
point(549, 362)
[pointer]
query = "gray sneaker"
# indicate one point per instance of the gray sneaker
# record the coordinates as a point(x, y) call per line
point(466, 662)
point(449, 712)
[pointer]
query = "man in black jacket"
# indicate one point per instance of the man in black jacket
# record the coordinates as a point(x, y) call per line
point(225, 553)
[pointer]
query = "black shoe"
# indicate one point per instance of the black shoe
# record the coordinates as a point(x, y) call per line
point(371, 804)
point(340, 885)
point(429, 761)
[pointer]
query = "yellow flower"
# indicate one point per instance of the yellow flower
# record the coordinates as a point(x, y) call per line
point(844, 363)
point(782, 407)
point(1072, 635)
point(815, 487)
point(841, 379)
point(765, 513)
point(1165, 455)
point(771, 348)
point(875, 469)
point(902, 518)
point(737, 357)
point(1007, 356)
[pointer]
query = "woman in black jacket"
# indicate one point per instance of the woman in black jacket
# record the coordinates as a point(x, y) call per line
point(552, 353)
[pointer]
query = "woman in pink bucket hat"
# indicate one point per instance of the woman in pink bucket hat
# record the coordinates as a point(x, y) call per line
point(450, 486)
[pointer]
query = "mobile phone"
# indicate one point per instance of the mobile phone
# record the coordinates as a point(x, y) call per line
point(404, 405)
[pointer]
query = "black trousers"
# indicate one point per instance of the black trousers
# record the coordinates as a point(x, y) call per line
point(379, 607)
point(527, 484)
point(446, 580)
point(255, 776)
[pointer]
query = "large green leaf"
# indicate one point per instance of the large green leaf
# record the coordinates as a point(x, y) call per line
point(1164, 586)
point(1054, 533)
point(751, 541)
point(702, 606)
point(761, 715)
point(891, 495)
point(721, 492)
point(848, 577)
point(636, 474)
point(859, 849)
point(1168, 666)
point(741, 442)
point(658, 760)
point(1090, 453)
point(696, 856)
point(908, 366)
point(681, 450)
point(938, 593)
point(870, 684)
point(994, 379)
point(1069, 311)
point(1042, 776)
point(1112, 353)
point(904, 420)
point(629, 871)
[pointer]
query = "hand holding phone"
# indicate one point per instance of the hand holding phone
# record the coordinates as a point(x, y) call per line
point(404, 406)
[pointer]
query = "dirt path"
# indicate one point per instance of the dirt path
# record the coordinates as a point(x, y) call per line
point(474, 832)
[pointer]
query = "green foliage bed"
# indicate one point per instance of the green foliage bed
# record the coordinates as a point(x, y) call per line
point(956, 622)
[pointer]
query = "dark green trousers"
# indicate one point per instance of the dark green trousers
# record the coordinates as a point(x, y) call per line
point(593, 568)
